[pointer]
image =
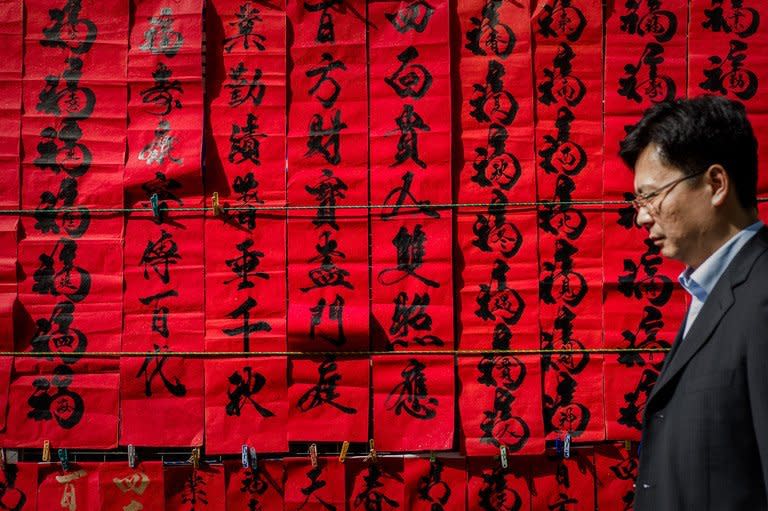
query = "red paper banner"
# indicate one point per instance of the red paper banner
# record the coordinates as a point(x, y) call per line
point(246, 403)
point(329, 400)
point(122, 487)
point(20, 486)
point(190, 489)
point(328, 307)
point(500, 404)
point(564, 483)
point(375, 486)
point(616, 474)
point(9, 227)
point(11, 39)
point(320, 488)
point(245, 166)
point(490, 487)
point(438, 485)
point(163, 250)
point(261, 488)
point(413, 402)
point(76, 489)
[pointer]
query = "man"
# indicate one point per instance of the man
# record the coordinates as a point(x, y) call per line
point(705, 434)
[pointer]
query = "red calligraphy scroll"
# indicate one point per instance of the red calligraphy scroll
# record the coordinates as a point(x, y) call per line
point(500, 404)
point(122, 487)
point(563, 483)
point(328, 307)
point(317, 488)
point(410, 170)
point(74, 489)
point(245, 157)
point(413, 402)
point(12, 39)
point(438, 484)
point(20, 483)
point(8, 290)
point(616, 473)
point(163, 249)
point(246, 403)
point(376, 485)
point(491, 487)
point(195, 489)
point(259, 488)
point(328, 400)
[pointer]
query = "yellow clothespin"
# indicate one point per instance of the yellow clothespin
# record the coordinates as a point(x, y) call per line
point(628, 445)
point(313, 455)
point(46, 451)
point(372, 453)
point(344, 450)
point(195, 458)
point(215, 204)
point(503, 453)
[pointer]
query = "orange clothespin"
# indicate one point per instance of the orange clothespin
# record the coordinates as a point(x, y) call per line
point(313, 455)
point(217, 209)
point(344, 450)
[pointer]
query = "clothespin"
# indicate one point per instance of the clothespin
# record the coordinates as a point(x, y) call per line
point(245, 455)
point(372, 453)
point(567, 446)
point(215, 207)
point(2, 459)
point(195, 458)
point(46, 451)
point(628, 445)
point(503, 454)
point(313, 455)
point(131, 456)
point(344, 450)
point(64, 459)
point(432, 457)
point(155, 203)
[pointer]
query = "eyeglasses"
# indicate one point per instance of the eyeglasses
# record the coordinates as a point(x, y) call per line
point(645, 200)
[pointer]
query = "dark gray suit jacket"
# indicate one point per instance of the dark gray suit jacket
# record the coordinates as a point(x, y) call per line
point(705, 434)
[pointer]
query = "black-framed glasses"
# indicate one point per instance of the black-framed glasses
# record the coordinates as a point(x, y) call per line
point(645, 200)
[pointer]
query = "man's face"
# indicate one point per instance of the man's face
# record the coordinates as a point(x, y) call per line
point(677, 218)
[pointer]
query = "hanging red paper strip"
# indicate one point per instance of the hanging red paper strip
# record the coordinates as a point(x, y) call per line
point(497, 167)
point(645, 64)
point(375, 485)
point(246, 403)
point(9, 235)
point(123, 487)
point(259, 488)
point(329, 400)
point(490, 487)
point(6, 364)
point(616, 473)
point(245, 166)
point(500, 404)
point(564, 483)
point(320, 488)
point(410, 169)
point(163, 249)
point(195, 489)
point(328, 285)
point(413, 402)
point(727, 56)
point(20, 486)
point(76, 489)
point(11, 40)
point(432, 485)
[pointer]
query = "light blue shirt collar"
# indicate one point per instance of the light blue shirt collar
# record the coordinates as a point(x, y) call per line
point(700, 282)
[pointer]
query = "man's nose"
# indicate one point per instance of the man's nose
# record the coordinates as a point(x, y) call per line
point(644, 218)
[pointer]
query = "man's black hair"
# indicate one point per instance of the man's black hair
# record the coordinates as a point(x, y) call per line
point(693, 134)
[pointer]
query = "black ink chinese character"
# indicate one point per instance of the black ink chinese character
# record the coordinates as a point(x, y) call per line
point(631, 415)
point(326, 94)
point(560, 217)
point(493, 163)
point(410, 80)
point(315, 483)
point(194, 492)
point(503, 303)
point(64, 406)
point(160, 255)
point(432, 489)
point(560, 281)
point(244, 311)
point(410, 257)
point(561, 413)
point(657, 88)
point(59, 150)
point(165, 94)
point(411, 317)
point(161, 38)
point(560, 83)
point(69, 30)
point(161, 146)
point(738, 80)
point(247, 17)
point(493, 232)
point(490, 102)
point(328, 274)
point(324, 391)
point(411, 395)
point(371, 498)
point(74, 222)
point(650, 325)
point(407, 145)
point(244, 142)
point(158, 360)
point(241, 89)
point(160, 312)
point(656, 287)
point(742, 21)
point(325, 32)
point(401, 193)
point(62, 278)
point(414, 16)
point(488, 33)
point(72, 101)
point(327, 192)
point(165, 189)
point(656, 22)
point(496, 494)
point(243, 389)
point(561, 19)
point(335, 313)
point(571, 357)
point(325, 140)
point(61, 339)
point(244, 266)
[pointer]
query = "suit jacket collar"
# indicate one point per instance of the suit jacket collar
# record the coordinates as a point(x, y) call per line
point(712, 312)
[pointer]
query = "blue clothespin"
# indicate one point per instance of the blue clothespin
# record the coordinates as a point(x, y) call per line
point(64, 459)
point(567, 446)
point(155, 203)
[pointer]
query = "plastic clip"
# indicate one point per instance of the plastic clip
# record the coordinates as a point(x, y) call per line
point(503, 455)
point(64, 459)
point(344, 450)
point(567, 446)
point(313, 455)
point(195, 458)
point(155, 203)
point(245, 457)
point(215, 206)
point(628, 445)
point(131, 456)
point(372, 453)
point(46, 451)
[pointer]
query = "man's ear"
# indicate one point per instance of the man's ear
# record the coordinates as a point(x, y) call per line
point(719, 182)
